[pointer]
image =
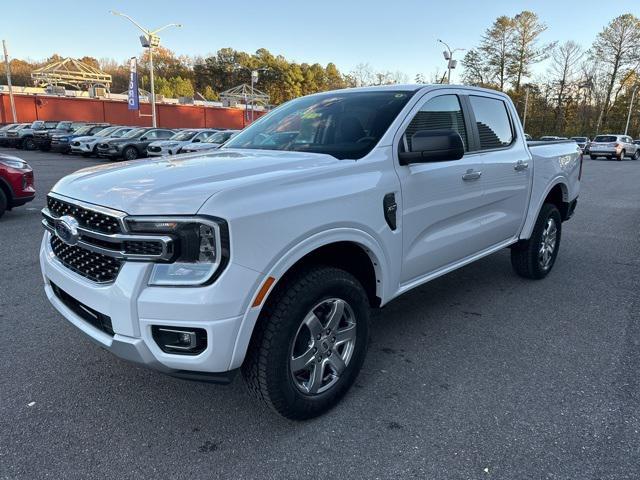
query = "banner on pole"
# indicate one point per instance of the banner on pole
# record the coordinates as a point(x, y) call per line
point(133, 97)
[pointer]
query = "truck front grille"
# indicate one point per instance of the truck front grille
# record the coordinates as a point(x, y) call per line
point(86, 218)
point(94, 266)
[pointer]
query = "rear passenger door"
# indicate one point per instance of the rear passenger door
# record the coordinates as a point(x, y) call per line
point(442, 202)
point(506, 166)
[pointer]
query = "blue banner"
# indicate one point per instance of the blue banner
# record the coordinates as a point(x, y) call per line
point(133, 97)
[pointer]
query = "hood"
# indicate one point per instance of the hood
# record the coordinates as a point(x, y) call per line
point(180, 185)
point(202, 146)
point(88, 138)
point(164, 143)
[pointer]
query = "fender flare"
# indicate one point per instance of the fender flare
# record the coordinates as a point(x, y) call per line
point(530, 222)
point(289, 258)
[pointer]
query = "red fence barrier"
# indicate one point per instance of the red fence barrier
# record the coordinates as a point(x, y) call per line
point(42, 107)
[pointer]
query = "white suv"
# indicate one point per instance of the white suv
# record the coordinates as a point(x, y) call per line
point(614, 146)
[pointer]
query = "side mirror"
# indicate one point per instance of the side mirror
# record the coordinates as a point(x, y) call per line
point(433, 146)
point(197, 140)
point(142, 139)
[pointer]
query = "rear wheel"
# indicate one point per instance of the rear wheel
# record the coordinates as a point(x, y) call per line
point(534, 258)
point(309, 344)
point(130, 153)
point(593, 157)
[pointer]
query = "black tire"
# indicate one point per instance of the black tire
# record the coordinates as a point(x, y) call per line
point(593, 157)
point(525, 255)
point(29, 144)
point(636, 155)
point(267, 368)
point(4, 202)
point(130, 153)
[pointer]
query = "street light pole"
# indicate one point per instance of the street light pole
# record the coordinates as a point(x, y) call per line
point(8, 67)
point(448, 55)
point(633, 96)
point(149, 40)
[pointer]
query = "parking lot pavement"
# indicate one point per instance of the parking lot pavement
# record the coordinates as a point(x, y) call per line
point(479, 374)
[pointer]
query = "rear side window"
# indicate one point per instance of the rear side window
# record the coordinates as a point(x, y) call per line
point(492, 120)
point(443, 112)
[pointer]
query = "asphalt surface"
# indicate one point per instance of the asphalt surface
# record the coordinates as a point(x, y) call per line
point(479, 374)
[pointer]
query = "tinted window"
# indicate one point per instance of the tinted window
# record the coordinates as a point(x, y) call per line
point(344, 124)
point(164, 134)
point(605, 138)
point(492, 120)
point(438, 113)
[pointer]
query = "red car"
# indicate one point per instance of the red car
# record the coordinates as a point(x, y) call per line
point(16, 182)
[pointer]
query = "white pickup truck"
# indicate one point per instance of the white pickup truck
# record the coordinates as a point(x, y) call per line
point(267, 255)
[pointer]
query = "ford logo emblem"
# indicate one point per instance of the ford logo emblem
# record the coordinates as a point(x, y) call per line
point(67, 230)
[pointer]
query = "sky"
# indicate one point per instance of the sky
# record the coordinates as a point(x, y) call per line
point(399, 35)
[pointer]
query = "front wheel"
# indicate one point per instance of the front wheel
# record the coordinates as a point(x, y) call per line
point(130, 153)
point(534, 258)
point(593, 157)
point(4, 202)
point(309, 344)
point(29, 144)
point(636, 155)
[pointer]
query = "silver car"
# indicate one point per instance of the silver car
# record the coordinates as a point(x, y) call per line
point(175, 144)
point(614, 146)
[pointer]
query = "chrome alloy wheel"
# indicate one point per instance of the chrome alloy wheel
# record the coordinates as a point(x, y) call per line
point(548, 244)
point(323, 346)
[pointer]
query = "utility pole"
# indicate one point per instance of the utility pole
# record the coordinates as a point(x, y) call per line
point(526, 106)
point(633, 96)
point(448, 55)
point(149, 40)
point(8, 68)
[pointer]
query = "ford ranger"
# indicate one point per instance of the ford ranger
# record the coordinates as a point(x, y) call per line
point(267, 254)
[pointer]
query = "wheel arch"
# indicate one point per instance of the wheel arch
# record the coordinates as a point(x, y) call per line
point(557, 193)
point(352, 250)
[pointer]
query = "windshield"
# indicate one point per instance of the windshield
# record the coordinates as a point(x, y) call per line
point(219, 137)
point(37, 125)
point(342, 124)
point(82, 130)
point(64, 125)
point(579, 139)
point(184, 135)
point(136, 132)
point(605, 138)
point(105, 132)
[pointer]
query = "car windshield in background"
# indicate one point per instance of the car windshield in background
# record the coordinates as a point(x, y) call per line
point(579, 139)
point(83, 130)
point(105, 131)
point(37, 125)
point(605, 138)
point(183, 136)
point(346, 125)
point(219, 137)
point(64, 125)
point(136, 132)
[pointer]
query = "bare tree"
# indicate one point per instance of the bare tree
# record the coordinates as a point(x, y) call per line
point(617, 50)
point(564, 68)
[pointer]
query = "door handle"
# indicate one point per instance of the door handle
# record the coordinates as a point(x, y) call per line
point(521, 165)
point(471, 174)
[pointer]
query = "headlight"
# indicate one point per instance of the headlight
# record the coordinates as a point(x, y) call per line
point(201, 248)
point(15, 163)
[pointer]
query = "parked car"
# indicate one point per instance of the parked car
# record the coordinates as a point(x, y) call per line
point(62, 142)
point(267, 254)
point(16, 183)
point(214, 141)
point(528, 137)
point(42, 138)
point(24, 137)
point(4, 132)
point(582, 142)
point(86, 145)
point(178, 141)
point(614, 146)
point(636, 142)
point(132, 144)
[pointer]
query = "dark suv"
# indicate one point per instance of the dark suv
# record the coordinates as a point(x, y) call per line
point(133, 144)
point(42, 138)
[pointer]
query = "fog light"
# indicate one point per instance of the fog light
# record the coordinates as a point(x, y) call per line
point(179, 340)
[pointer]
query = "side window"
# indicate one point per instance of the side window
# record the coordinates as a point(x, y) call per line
point(164, 133)
point(492, 120)
point(443, 112)
point(152, 135)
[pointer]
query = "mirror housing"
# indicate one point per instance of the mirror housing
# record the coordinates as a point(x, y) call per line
point(142, 139)
point(197, 140)
point(433, 146)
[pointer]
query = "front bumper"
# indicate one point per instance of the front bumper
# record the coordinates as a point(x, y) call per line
point(109, 152)
point(134, 308)
point(82, 148)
